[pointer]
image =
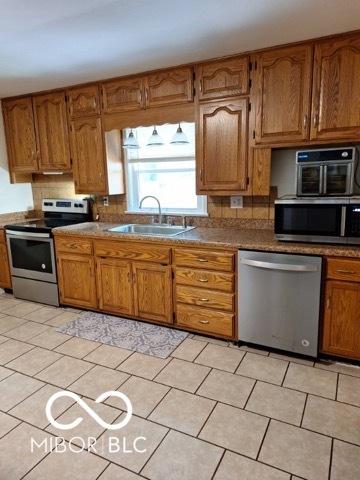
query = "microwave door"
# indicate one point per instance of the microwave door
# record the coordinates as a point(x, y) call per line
point(310, 180)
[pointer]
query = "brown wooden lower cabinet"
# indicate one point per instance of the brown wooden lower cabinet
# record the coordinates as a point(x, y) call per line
point(152, 291)
point(5, 278)
point(341, 332)
point(77, 283)
point(114, 283)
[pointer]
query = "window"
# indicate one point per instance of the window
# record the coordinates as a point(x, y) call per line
point(165, 171)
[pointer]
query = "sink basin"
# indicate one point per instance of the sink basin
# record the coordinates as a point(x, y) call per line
point(157, 230)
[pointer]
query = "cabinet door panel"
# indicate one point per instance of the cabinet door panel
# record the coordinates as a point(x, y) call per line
point(222, 147)
point(88, 155)
point(77, 284)
point(20, 134)
point(52, 131)
point(114, 285)
point(283, 83)
point(5, 278)
point(223, 78)
point(84, 101)
point(169, 87)
point(124, 94)
point(152, 292)
point(342, 319)
point(336, 89)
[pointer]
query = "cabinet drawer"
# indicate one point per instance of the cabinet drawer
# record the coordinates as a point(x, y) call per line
point(207, 321)
point(205, 298)
point(73, 245)
point(205, 279)
point(205, 259)
point(343, 269)
point(2, 236)
point(132, 251)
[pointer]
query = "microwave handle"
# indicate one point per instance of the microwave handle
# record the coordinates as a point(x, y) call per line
point(343, 221)
point(323, 177)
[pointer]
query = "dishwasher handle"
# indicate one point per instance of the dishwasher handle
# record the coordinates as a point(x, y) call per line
point(279, 266)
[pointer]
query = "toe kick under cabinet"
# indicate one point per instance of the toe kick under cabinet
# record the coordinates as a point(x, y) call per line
point(190, 288)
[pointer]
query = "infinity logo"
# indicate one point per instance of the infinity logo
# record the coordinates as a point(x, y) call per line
point(90, 411)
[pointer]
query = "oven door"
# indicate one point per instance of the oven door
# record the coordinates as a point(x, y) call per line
point(31, 256)
point(311, 222)
point(309, 180)
point(338, 179)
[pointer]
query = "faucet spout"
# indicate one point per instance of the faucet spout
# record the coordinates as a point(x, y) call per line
point(158, 202)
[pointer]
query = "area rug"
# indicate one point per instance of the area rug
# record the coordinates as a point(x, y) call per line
point(125, 333)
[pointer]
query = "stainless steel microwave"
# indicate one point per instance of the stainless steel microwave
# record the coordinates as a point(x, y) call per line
point(324, 220)
point(326, 171)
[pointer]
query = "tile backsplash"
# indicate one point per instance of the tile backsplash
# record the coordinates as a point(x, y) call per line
point(52, 186)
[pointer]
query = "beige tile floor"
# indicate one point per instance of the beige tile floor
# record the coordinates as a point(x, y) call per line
point(211, 411)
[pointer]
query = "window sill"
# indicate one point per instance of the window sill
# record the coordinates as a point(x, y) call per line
point(166, 213)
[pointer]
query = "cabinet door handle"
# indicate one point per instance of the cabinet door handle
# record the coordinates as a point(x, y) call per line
point(202, 260)
point(328, 302)
point(129, 277)
point(205, 322)
point(204, 300)
point(203, 280)
point(305, 122)
point(201, 85)
point(316, 120)
point(348, 272)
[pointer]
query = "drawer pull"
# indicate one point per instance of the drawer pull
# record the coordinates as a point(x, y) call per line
point(205, 322)
point(204, 300)
point(203, 280)
point(349, 272)
point(202, 260)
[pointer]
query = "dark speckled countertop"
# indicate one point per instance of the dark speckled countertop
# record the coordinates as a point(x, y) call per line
point(250, 239)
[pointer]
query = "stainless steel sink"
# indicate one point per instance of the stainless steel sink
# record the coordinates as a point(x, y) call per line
point(153, 230)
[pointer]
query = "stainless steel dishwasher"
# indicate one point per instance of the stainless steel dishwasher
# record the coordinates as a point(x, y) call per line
point(279, 300)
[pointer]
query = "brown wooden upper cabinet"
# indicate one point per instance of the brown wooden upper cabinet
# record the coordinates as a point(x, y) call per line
point(84, 101)
point(168, 87)
point(52, 131)
point(336, 89)
point(20, 134)
point(223, 78)
point(88, 154)
point(222, 147)
point(282, 92)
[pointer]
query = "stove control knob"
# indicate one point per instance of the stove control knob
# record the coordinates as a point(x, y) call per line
point(43, 266)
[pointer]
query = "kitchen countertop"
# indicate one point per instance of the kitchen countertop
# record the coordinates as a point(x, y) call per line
point(250, 239)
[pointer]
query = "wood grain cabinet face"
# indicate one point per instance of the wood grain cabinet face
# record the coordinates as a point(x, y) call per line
point(153, 292)
point(283, 89)
point(84, 101)
point(5, 278)
point(77, 283)
point(124, 94)
point(336, 89)
point(169, 87)
point(52, 131)
point(114, 285)
point(88, 155)
point(20, 134)
point(224, 78)
point(222, 147)
point(341, 334)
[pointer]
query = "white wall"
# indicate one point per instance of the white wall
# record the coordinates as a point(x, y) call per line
point(283, 171)
point(13, 198)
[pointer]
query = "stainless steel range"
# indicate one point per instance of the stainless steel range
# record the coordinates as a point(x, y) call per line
point(31, 249)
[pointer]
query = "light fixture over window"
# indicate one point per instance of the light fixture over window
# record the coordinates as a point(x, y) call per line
point(155, 139)
point(179, 137)
point(131, 141)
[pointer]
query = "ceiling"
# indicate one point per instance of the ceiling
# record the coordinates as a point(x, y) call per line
point(47, 44)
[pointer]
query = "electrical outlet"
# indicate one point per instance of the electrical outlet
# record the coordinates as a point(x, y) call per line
point(236, 201)
point(105, 201)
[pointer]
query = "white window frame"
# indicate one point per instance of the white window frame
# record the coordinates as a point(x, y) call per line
point(132, 194)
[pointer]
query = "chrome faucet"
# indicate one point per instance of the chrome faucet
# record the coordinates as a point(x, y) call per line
point(158, 202)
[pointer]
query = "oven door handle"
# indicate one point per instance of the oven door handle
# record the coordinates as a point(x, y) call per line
point(26, 235)
point(279, 266)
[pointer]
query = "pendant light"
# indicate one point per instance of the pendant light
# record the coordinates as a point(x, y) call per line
point(179, 137)
point(131, 141)
point(155, 139)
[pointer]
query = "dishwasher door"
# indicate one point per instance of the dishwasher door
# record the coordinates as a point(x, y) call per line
point(279, 300)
